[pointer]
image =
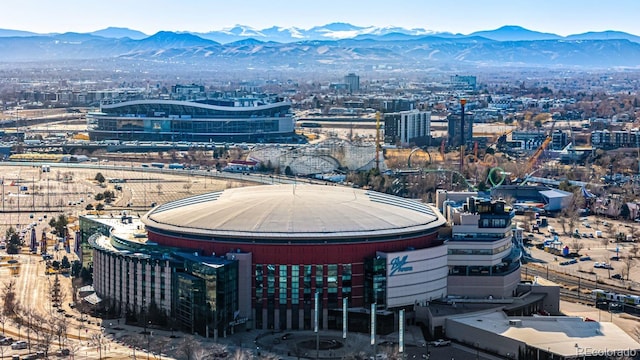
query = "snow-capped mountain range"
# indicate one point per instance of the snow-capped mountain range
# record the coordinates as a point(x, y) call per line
point(340, 31)
point(336, 45)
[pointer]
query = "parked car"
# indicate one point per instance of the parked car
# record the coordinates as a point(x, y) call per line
point(616, 276)
point(19, 345)
point(441, 342)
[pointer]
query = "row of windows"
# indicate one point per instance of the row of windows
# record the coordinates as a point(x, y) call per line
point(494, 223)
point(289, 279)
point(117, 265)
point(302, 281)
point(479, 251)
point(212, 126)
point(481, 236)
point(497, 270)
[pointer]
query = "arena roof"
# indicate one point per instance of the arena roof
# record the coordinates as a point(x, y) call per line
point(294, 211)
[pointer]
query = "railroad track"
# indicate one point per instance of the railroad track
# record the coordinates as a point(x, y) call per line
point(580, 284)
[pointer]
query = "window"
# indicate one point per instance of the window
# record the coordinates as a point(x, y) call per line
point(295, 284)
point(282, 284)
point(319, 278)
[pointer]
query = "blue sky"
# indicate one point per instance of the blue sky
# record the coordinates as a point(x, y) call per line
point(562, 17)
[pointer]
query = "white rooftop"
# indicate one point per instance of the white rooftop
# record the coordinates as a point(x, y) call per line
point(563, 335)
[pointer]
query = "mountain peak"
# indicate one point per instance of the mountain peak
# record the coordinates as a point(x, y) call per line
point(338, 26)
point(119, 33)
point(514, 33)
point(182, 39)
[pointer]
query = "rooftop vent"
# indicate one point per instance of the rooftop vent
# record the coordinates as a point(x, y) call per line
point(515, 323)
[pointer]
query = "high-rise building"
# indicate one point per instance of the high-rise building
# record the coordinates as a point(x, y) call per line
point(353, 82)
point(454, 131)
point(407, 127)
point(559, 140)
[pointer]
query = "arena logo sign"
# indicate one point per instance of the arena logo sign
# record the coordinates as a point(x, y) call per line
point(399, 264)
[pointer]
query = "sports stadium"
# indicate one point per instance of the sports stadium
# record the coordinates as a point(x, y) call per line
point(284, 244)
point(196, 121)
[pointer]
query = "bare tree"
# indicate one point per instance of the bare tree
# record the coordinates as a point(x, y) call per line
point(159, 187)
point(74, 348)
point(633, 231)
point(577, 245)
point(243, 355)
point(160, 343)
point(98, 341)
point(628, 262)
point(27, 317)
point(573, 219)
point(59, 325)
point(188, 348)
point(9, 305)
point(3, 320)
point(46, 335)
point(611, 231)
point(605, 242)
point(200, 354)
point(81, 326)
point(562, 220)
point(634, 250)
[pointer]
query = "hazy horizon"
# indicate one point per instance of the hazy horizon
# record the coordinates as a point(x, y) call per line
point(464, 16)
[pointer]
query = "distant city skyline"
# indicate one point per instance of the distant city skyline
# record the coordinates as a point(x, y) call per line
point(463, 16)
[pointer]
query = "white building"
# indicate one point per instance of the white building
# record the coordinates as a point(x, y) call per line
point(543, 337)
point(407, 126)
point(483, 261)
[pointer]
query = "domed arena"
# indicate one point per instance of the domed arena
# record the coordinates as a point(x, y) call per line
point(293, 241)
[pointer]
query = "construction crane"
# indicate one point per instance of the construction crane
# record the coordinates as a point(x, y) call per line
point(534, 158)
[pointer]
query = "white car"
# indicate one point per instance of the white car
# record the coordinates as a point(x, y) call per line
point(19, 345)
point(441, 342)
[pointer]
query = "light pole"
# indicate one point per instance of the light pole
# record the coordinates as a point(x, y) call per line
point(148, 343)
point(315, 326)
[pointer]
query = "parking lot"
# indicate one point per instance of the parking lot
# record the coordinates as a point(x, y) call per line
point(590, 250)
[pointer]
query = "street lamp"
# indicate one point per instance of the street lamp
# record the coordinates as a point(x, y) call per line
point(148, 342)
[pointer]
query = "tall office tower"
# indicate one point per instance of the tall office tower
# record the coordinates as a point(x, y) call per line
point(353, 82)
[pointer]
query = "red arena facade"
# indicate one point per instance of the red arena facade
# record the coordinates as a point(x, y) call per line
point(293, 241)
